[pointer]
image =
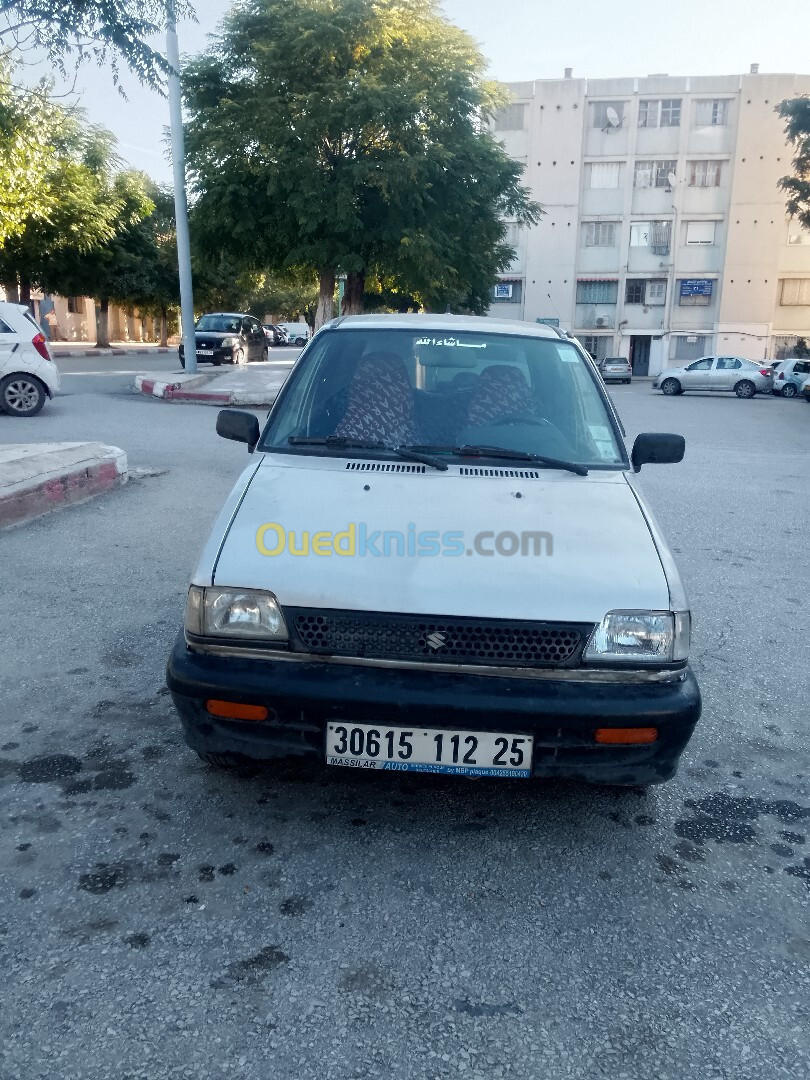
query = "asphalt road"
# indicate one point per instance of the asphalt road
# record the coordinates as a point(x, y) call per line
point(114, 374)
point(160, 919)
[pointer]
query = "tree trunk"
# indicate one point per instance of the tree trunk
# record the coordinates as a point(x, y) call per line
point(353, 293)
point(326, 300)
point(103, 324)
point(25, 292)
point(12, 292)
point(164, 327)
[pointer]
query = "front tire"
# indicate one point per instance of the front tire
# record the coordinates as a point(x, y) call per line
point(789, 390)
point(22, 395)
point(238, 357)
point(671, 387)
point(745, 389)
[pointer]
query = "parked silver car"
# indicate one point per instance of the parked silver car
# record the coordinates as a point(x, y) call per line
point(744, 377)
point(790, 376)
point(615, 369)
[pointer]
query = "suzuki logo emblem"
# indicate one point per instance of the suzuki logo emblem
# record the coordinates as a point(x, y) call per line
point(435, 640)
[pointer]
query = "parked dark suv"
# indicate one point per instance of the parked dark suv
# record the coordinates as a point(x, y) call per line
point(225, 337)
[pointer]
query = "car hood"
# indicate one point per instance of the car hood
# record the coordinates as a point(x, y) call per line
point(596, 554)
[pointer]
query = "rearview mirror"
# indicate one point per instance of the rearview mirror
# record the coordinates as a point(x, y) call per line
point(657, 448)
point(238, 425)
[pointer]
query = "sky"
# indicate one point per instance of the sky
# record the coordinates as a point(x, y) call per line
point(522, 40)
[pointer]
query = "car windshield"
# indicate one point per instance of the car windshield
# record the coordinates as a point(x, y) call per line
point(441, 391)
point(219, 324)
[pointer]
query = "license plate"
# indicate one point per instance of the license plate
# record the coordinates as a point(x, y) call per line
point(398, 749)
point(205, 352)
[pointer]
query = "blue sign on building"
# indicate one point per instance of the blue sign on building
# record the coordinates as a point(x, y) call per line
point(696, 287)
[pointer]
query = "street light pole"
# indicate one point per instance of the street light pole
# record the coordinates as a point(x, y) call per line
point(180, 203)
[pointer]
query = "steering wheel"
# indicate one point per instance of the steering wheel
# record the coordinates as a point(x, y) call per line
point(521, 418)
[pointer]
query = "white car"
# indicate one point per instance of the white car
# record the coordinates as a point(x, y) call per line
point(438, 561)
point(28, 375)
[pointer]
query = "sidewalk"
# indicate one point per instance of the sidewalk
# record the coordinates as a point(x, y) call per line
point(61, 349)
point(36, 478)
point(257, 384)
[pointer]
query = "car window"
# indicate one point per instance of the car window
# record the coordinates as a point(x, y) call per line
point(802, 368)
point(701, 365)
point(5, 328)
point(219, 324)
point(446, 389)
point(27, 315)
point(727, 363)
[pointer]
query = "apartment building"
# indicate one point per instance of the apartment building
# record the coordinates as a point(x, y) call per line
point(664, 235)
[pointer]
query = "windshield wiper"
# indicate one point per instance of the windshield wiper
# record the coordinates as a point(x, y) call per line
point(514, 455)
point(338, 442)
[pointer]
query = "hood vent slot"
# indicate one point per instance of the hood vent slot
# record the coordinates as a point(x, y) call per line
point(518, 474)
point(384, 466)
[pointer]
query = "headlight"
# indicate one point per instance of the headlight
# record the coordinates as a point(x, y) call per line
point(234, 613)
point(228, 342)
point(645, 637)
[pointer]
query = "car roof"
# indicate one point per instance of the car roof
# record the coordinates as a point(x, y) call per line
point(458, 323)
point(230, 314)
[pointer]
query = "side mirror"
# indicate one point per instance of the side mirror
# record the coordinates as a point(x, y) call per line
point(657, 448)
point(238, 425)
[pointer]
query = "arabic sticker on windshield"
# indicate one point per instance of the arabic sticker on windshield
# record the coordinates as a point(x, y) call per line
point(450, 343)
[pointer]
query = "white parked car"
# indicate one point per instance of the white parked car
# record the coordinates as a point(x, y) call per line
point(745, 377)
point(438, 561)
point(28, 375)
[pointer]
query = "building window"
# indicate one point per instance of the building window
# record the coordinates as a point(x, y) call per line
point(655, 235)
point(600, 233)
point(798, 235)
point(691, 347)
point(512, 236)
point(664, 113)
point(597, 292)
point(795, 292)
point(695, 292)
point(607, 114)
point(641, 291)
point(510, 118)
point(653, 173)
point(711, 113)
point(634, 291)
point(704, 173)
point(597, 345)
point(700, 232)
point(507, 292)
point(604, 174)
point(75, 305)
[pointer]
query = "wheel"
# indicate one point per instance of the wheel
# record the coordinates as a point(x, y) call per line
point(216, 361)
point(300, 341)
point(745, 389)
point(22, 395)
point(789, 390)
point(628, 381)
point(238, 357)
point(671, 387)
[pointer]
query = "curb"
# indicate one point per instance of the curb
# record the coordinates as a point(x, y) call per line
point(64, 354)
point(188, 388)
point(76, 484)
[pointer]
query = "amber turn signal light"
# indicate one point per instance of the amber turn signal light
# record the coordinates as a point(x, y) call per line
point(232, 710)
point(625, 736)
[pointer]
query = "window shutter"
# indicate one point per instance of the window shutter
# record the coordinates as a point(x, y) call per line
point(700, 232)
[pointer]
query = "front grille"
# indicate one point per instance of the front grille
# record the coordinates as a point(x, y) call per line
point(436, 639)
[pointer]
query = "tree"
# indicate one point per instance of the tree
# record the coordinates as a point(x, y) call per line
point(352, 135)
point(121, 269)
point(796, 111)
point(100, 29)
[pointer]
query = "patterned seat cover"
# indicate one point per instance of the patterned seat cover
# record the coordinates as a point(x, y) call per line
point(500, 391)
point(381, 406)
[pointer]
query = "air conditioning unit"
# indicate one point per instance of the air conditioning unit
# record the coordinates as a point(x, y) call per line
point(602, 321)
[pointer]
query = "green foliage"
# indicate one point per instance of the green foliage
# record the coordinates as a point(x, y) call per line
point(103, 30)
point(352, 135)
point(796, 111)
point(801, 350)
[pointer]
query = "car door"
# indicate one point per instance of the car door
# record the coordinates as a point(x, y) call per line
point(726, 373)
point(9, 345)
point(800, 373)
point(697, 375)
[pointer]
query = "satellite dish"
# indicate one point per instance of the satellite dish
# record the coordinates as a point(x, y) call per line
point(613, 117)
point(672, 179)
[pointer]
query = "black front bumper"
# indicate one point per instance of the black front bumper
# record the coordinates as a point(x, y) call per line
point(303, 696)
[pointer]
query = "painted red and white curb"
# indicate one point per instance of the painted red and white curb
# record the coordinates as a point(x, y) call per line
point(38, 478)
point(191, 388)
point(151, 350)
